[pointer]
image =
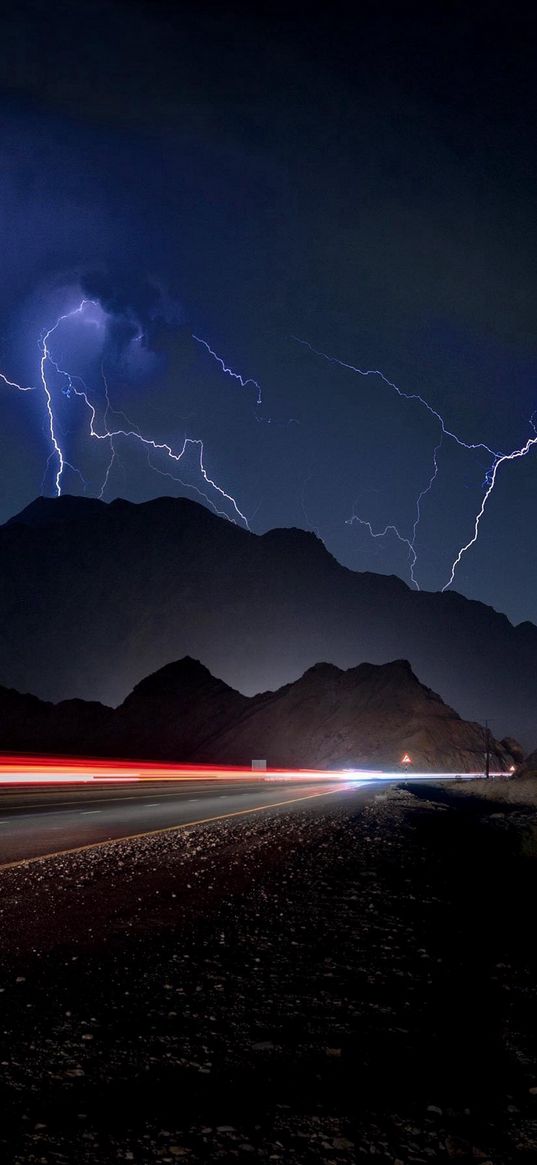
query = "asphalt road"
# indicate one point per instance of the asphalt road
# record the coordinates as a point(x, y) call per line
point(34, 823)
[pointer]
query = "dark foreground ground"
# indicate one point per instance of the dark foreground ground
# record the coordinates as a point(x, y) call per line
point(353, 981)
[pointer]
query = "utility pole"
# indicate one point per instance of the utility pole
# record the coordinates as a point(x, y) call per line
point(487, 749)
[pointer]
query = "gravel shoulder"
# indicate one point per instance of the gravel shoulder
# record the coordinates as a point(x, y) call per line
point(507, 790)
point(351, 981)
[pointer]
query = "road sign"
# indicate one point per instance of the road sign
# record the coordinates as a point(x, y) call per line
point(406, 760)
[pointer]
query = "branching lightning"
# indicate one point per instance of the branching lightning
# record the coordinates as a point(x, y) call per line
point(489, 482)
point(243, 381)
point(159, 446)
point(427, 489)
point(388, 529)
point(13, 384)
point(186, 485)
point(515, 455)
point(75, 386)
point(110, 425)
point(109, 468)
point(118, 413)
point(391, 528)
point(57, 452)
point(414, 396)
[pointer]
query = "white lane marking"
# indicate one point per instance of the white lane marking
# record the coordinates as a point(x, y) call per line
point(52, 811)
point(74, 802)
point(79, 849)
point(104, 800)
point(38, 816)
point(170, 798)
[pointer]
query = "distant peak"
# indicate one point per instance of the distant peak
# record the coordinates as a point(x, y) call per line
point(67, 508)
point(322, 669)
point(47, 511)
point(399, 665)
point(182, 674)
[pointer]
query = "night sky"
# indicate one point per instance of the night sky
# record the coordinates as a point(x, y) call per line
point(363, 180)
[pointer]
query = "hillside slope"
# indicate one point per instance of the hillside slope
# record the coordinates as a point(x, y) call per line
point(95, 596)
point(367, 716)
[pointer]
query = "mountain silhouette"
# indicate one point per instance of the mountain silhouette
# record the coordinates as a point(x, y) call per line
point(370, 715)
point(95, 596)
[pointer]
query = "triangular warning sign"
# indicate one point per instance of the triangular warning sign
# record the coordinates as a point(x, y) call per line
point(405, 760)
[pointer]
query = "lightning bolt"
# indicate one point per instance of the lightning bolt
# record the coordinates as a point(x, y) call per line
point(410, 542)
point(74, 385)
point(302, 497)
point(186, 485)
point(163, 447)
point(57, 452)
point(243, 381)
point(417, 520)
point(109, 468)
point(489, 483)
point(13, 384)
point(118, 413)
point(514, 456)
point(389, 529)
point(158, 446)
point(413, 396)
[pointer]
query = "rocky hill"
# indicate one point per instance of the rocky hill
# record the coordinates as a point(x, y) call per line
point(329, 718)
point(368, 715)
point(529, 768)
point(95, 596)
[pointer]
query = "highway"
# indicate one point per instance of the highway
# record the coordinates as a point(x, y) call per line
point(36, 821)
point(54, 805)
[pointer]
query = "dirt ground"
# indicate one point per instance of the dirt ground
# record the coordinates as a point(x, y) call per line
point(359, 982)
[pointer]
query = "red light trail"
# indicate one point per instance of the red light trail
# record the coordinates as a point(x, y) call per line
point(17, 770)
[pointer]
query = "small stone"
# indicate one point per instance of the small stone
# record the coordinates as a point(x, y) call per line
point(456, 1147)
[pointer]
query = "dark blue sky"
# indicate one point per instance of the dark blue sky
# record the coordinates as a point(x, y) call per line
point(364, 182)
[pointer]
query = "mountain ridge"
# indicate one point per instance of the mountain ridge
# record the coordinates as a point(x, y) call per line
point(38, 514)
point(364, 716)
point(124, 588)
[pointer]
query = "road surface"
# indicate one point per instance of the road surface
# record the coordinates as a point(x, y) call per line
point(36, 822)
